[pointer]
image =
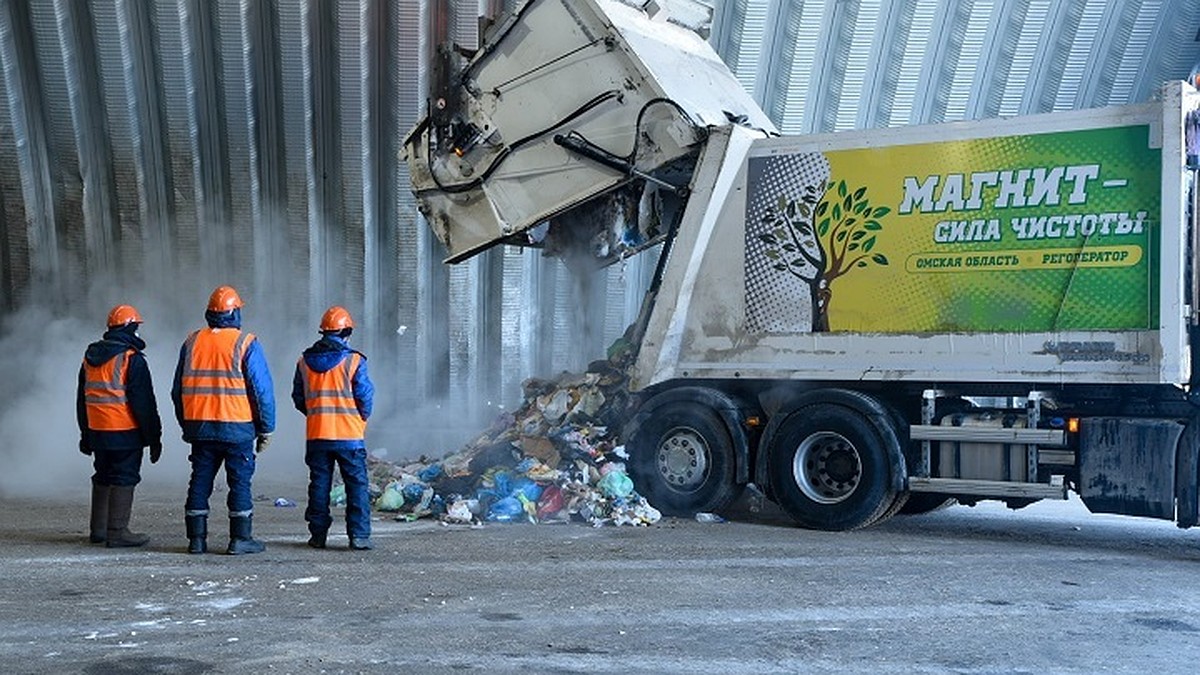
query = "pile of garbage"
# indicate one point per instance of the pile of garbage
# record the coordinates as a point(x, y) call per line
point(555, 459)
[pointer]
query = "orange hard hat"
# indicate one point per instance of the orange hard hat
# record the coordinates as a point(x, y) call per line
point(123, 315)
point(224, 299)
point(336, 318)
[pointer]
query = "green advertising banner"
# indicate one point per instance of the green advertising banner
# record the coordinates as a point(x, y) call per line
point(1038, 232)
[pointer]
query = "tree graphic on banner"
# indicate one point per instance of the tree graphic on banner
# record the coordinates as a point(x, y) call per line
point(820, 238)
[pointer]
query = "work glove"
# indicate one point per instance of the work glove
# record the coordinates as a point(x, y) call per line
point(84, 448)
point(263, 441)
point(155, 451)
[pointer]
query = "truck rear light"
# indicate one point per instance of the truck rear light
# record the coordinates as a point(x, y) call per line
point(1073, 425)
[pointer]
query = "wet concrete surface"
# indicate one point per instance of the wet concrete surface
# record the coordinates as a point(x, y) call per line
point(965, 590)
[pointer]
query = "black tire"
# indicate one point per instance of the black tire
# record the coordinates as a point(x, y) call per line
point(900, 424)
point(897, 506)
point(920, 503)
point(681, 460)
point(830, 468)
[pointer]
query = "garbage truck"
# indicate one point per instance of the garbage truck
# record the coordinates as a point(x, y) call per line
point(859, 323)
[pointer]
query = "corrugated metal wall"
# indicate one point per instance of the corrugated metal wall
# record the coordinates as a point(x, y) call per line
point(825, 65)
point(150, 150)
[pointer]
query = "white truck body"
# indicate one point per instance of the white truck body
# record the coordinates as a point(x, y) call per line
point(713, 330)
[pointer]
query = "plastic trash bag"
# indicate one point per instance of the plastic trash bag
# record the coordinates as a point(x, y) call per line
point(419, 502)
point(506, 510)
point(526, 488)
point(430, 473)
point(551, 503)
point(413, 492)
point(459, 512)
point(615, 484)
point(392, 498)
point(337, 495)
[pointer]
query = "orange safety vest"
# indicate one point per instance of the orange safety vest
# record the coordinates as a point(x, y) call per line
point(104, 396)
point(332, 414)
point(213, 386)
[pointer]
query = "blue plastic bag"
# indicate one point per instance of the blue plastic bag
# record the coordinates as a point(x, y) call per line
point(506, 510)
point(413, 492)
point(524, 486)
point(502, 483)
point(430, 473)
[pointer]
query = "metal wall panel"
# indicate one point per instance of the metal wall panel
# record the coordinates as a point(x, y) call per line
point(820, 65)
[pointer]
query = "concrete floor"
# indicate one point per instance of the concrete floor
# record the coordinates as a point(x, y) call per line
point(984, 590)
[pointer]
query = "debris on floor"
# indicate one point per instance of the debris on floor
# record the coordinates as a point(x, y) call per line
point(555, 459)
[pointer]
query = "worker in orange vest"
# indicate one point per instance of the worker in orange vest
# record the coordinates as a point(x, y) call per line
point(118, 416)
point(225, 402)
point(333, 390)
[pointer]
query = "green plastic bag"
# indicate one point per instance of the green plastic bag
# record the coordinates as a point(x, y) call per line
point(337, 496)
point(392, 498)
point(615, 484)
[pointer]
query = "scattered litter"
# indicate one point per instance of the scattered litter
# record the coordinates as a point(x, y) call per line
point(337, 496)
point(284, 502)
point(225, 604)
point(709, 518)
point(554, 459)
point(304, 580)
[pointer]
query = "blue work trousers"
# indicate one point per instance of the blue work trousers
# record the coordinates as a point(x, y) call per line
point(121, 468)
point(352, 462)
point(206, 459)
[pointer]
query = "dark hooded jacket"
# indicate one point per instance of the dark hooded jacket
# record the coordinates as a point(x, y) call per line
point(259, 390)
point(139, 390)
point(325, 355)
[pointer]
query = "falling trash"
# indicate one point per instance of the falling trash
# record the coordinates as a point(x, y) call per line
point(556, 458)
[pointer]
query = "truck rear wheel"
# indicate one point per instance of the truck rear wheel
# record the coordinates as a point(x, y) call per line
point(682, 460)
point(830, 468)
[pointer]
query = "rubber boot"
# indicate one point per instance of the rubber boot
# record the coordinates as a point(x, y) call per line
point(240, 539)
point(99, 524)
point(120, 504)
point(317, 540)
point(197, 533)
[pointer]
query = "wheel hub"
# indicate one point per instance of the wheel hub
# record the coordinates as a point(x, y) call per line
point(827, 467)
point(682, 459)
